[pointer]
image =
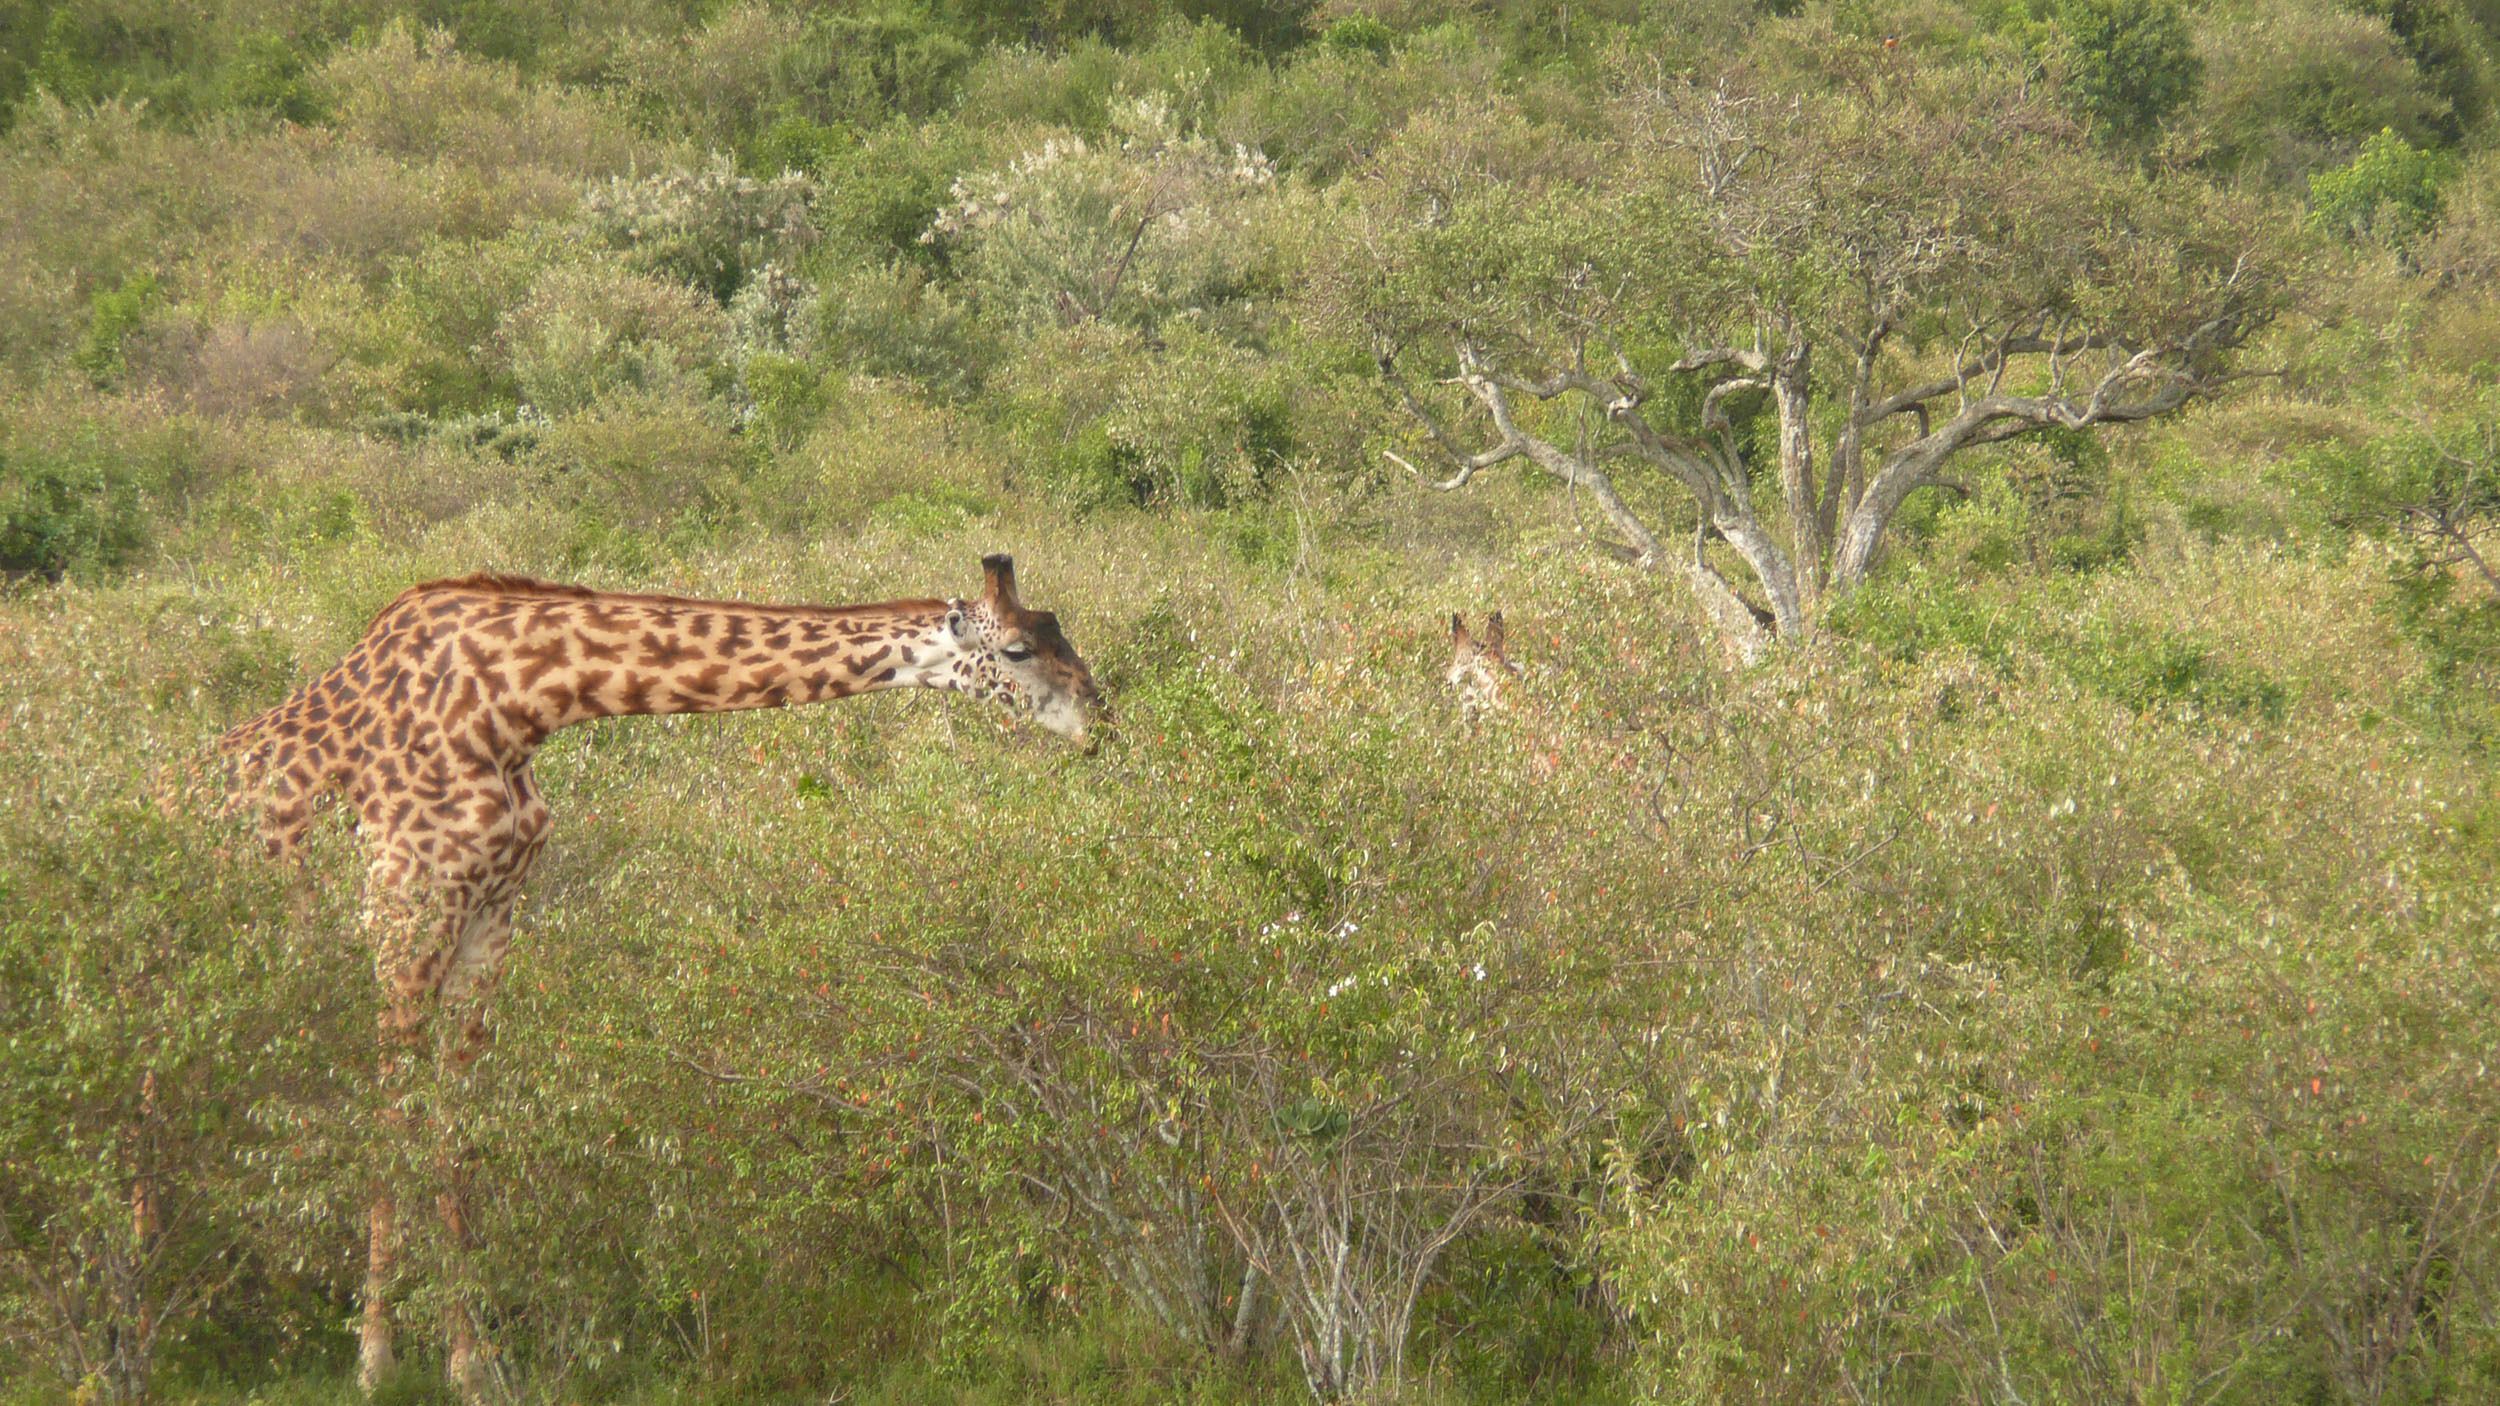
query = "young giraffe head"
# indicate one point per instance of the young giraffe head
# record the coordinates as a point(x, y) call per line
point(1479, 669)
point(1017, 657)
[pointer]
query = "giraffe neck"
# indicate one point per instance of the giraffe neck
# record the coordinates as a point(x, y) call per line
point(491, 665)
point(576, 660)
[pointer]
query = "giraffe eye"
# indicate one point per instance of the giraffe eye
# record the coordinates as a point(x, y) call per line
point(1017, 652)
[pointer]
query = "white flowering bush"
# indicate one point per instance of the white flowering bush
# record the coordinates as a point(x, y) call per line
point(1133, 229)
point(708, 226)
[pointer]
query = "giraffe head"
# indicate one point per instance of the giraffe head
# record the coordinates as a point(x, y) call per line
point(1018, 658)
point(1478, 667)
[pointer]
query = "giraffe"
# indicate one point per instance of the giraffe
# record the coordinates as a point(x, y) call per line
point(1479, 669)
point(427, 727)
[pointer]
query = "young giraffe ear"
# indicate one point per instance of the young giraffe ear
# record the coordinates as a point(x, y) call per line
point(1493, 633)
point(998, 572)
point(955, 618)
point(1458, 629)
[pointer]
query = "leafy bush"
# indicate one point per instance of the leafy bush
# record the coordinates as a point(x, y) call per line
point(2390, 191)
point(2292, 86)
point(83, 496)
point(587, 332)
point(878, 449)
point(1105, 420)
point(417, 95)
point(435, 345)
point(898, 321)
point(111, 319)
point(2168, 671)
point(172, 1029)
point(268, 73)
point(752, 66)
point(881, 190)
point(2128, 65)
point(709, 227)
point(1358, 34)
point(1130, 233)
point(654, 463)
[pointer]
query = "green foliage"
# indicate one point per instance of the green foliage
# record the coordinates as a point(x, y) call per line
point(165, 1044)
point(2452, 52)
point(270, 74)
point(1109, 421)
point(881, 190)
point(2390, 191)
point(2432, 488)
point(1142, 228)
point(1358, 34)
point(710, 227)
point(2294, 86)
point(753, 71)
point(2129, 66)
point(82, 497)
point(110, 320)
point(587, 332)
point(2169, 671)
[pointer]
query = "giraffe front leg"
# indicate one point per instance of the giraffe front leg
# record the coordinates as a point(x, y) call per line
point(408, 959)
point(415, 924)
point(469, 986)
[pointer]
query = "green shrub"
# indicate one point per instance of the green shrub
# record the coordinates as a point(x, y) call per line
point(111, 319)
point(1143, 227)
point(709, 227)
point(752, 71)
point(2170, 671)
point(1358, 34)
point(650, 463)
point(169, 1066)
point(2389, 192)
point(84, 496)
point(588, 332)
point(2128, 65)
point(268, 73)
point(2294, 86)
point(418, 95)
point(899, 321)
point(787, 396)
point(879, 448)
point(1196, 423)
point(881, 189)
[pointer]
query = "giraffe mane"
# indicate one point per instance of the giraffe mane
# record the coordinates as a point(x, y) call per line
point(496, 583)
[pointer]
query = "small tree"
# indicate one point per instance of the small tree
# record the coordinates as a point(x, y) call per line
point(1835, 287)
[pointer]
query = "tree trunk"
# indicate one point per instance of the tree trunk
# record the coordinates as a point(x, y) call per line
point(1792, 390)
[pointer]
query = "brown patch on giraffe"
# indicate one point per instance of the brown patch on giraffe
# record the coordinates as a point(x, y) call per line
point(665, 651)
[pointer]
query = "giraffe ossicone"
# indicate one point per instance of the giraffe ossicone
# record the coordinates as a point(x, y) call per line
point(427, 727)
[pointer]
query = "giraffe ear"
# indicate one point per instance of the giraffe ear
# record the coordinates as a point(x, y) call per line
point(998, 572)
point(1493, 633)
point(1458, 629)
point(955, 618)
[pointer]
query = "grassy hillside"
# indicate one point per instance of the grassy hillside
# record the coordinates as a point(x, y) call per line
point(2065, 969)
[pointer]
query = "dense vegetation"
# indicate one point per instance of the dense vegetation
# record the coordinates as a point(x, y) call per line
point(2050, 955)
